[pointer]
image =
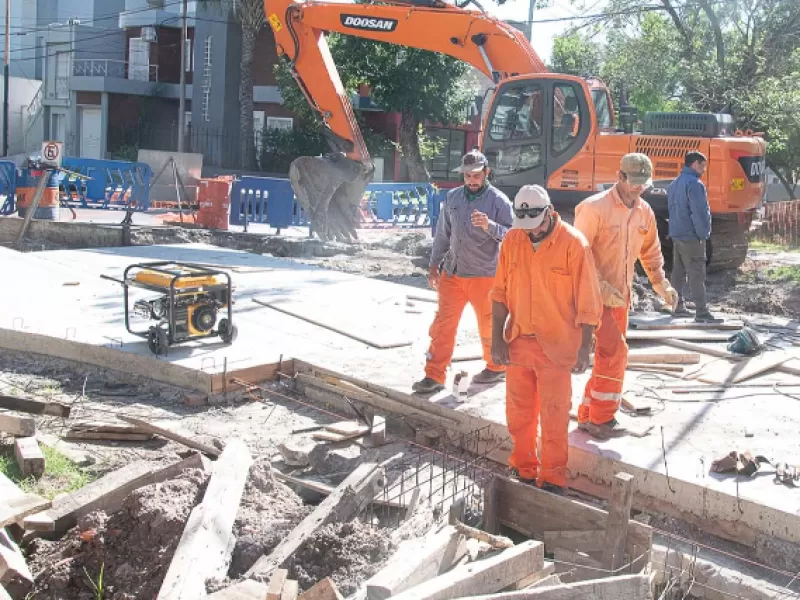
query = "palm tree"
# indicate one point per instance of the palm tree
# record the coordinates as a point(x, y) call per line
point(251, 17)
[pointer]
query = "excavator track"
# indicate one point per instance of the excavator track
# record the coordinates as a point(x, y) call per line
point(727, 248)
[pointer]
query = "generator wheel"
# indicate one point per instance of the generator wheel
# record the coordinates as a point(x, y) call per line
point(157, 340)
point(227, 331)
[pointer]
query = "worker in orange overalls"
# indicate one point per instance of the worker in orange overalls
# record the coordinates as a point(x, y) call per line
point(546, 304)
point(474, 220)
point(621, 228)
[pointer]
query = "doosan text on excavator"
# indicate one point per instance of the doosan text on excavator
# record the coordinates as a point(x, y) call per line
point(558, 131)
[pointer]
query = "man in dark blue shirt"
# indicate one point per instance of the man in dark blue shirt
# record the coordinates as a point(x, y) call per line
point(690, 228)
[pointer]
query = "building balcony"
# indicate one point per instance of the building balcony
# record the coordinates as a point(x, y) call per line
point(121, 77)
point(119, 69)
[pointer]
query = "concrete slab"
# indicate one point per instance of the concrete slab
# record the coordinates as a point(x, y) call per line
point(47, 313)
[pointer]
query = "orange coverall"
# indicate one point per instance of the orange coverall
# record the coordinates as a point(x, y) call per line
point(550, 292)
point(618, 236)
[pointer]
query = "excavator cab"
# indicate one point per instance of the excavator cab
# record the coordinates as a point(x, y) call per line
point(538, 125)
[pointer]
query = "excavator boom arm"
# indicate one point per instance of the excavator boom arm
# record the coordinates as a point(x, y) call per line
point(495, 48)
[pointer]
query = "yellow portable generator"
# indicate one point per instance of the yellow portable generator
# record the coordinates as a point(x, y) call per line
point(190, 299)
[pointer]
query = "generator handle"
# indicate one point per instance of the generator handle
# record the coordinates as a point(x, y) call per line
point(114, 279)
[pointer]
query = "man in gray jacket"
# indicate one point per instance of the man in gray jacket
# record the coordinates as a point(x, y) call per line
point(474, 220)
point(690, 228)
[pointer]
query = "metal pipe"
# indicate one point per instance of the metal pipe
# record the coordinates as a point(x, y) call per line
point(182, 102)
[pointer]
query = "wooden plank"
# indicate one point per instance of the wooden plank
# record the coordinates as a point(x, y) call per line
point(686, 345)
point(655, 368)
point(624, 587)
point(687, 325)
point(15, 504)
point(484, 576)
point(255, 374)
point(109, 492)
point(172, 435)
point(578, 566)
point(276, 582)
point(21, 426)
point(291, 589)
point(297, 314)
point(619, 512)
point(348, 428)
point(107, 436)
point(324, 589)
point(531, 580)
point(581, 541)
point(244, 590)
point(663, 358)
point(532, 511)
point(348, 499)
point(29, 456)
point(39, 522)
point(105, 428)
point(724, 373)
point(548, 581)
point(324, 488)
point(377, 435)
point(415, 562)
point(678, 334)
point(34, 407)
point(15, 576)
point(204, 550)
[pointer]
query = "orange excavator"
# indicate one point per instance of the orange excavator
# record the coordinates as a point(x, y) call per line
point(555, 130)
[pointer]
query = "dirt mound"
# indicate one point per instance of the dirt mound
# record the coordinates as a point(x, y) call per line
point(348, 553)
point(132, 547)
point(268, 512)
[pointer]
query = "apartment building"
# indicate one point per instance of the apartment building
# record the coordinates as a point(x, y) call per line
point(104, 72)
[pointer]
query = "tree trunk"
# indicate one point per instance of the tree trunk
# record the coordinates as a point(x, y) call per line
point(786, 183)
point(409, 145)
point(247, 147)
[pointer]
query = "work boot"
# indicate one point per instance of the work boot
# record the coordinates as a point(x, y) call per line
point(489, 376)
point(514, 474)
point(707, 317)
point(553, 488)
point(427, 386)
point(681, 311)
point(604, 431)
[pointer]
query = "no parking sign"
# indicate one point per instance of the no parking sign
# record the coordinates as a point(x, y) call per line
point(52, 153)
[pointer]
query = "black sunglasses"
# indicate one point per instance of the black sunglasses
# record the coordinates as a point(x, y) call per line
point(521, 213)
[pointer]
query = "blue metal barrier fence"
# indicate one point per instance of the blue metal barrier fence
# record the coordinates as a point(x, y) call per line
point(271, 200)
point(8, 187)
point(108, 184)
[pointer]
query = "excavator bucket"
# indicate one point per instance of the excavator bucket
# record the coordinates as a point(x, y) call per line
point(330, 189)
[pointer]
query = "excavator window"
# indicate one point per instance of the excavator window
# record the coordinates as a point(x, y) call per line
point(601, 109)
point(518, 113)
point(566, 118)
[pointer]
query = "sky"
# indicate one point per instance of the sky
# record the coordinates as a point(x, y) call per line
point(543, 33)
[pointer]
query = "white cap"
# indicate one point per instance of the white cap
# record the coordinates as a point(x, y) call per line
point(530, 196)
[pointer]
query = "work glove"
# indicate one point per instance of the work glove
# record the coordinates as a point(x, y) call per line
point(611, 296)
point(668, 293)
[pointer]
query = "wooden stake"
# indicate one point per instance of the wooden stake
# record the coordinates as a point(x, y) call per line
point(619, 512)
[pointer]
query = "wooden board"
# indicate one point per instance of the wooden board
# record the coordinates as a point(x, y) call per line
point(21, 426)
point(532, 511)
point(34, 407)
point(205, 547)
point(324, 488)
point(109, 492)
point(348, 499)
point(483, 576)
point(276, 581)
point(291, 589)
point(324, 589)
point(694, 347)
point(725, 373)
point(347, 428)
point(15, 504)
point(172, 435)
point(617, 524)
point(15, 575)
point(593, 540)
point(678, 334)
point(29, 456)
point(624, 587)
point(415, 562)
point(332, 322)
point(663, 358)
point(107, 436)
point(244, 590)
point(534, 579)
point(686, 325)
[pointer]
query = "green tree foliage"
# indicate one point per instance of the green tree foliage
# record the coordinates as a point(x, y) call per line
point(420, 85)
point(575, 54)
point(737, 56)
